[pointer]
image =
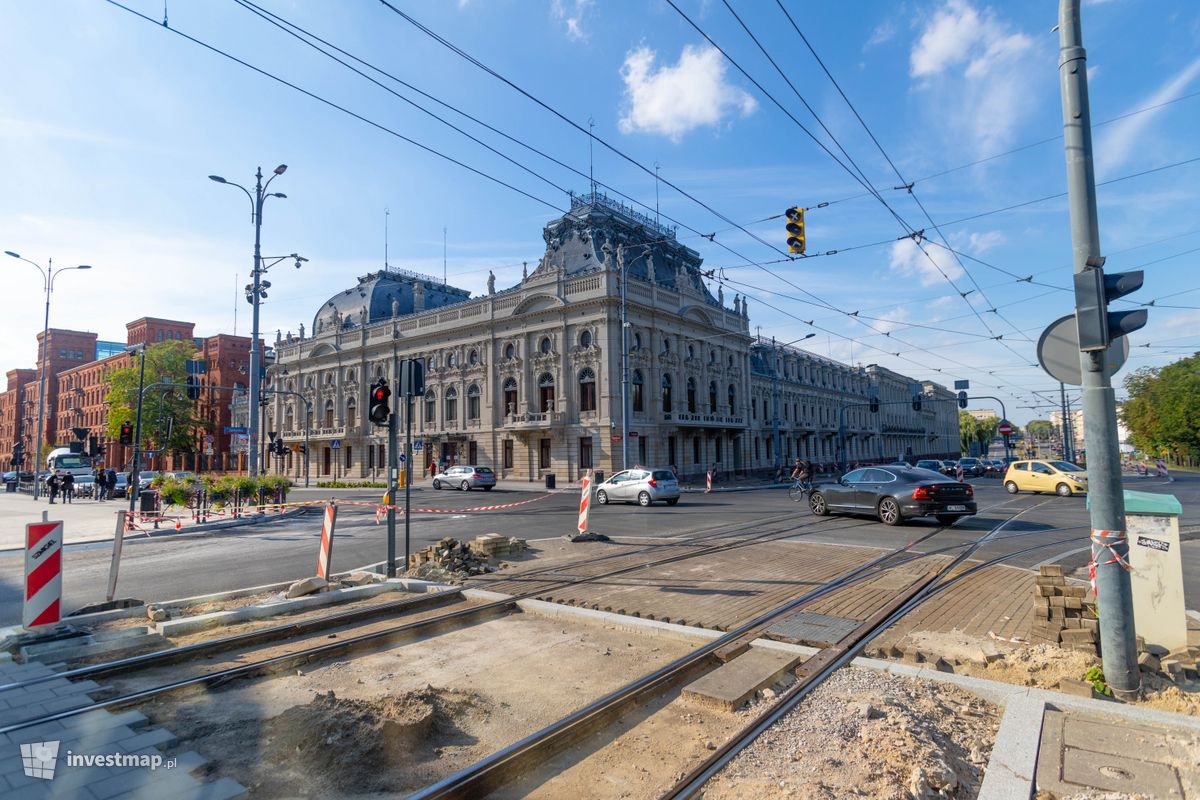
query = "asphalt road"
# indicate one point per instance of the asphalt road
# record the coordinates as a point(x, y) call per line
point(175, 566)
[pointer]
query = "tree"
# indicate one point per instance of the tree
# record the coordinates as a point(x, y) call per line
point(169, 418)
point(967, 426)
point(1039, 429)
point(1163, 409)
point(985, 431)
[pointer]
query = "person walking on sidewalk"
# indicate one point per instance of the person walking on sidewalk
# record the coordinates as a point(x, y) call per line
point(68, 487)
point(52, 483)
point(101, 486)
point(110, 482)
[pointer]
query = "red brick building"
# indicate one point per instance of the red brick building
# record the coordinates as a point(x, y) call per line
point(76, 390)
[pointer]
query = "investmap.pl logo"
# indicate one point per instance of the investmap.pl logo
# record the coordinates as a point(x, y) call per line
point(40, 758)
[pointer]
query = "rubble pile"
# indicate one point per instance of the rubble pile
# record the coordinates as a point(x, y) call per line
point(493, 546)
point(448, 559)
point(1063, 615)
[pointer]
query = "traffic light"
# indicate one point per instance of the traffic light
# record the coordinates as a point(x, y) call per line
point(277, 447)
point(962, 399)
point(193, 387)
point(126, 434)
point(795, 229)
point(874, 405)
point(916, 402)
point(378, 410)
point(1093, 292)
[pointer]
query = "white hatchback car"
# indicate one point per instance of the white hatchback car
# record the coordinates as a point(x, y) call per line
point(639, 485)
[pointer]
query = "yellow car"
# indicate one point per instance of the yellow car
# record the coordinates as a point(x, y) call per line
point(1060, 477)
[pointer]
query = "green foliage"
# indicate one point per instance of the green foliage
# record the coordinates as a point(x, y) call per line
point(221, 491)
point(176, 491)
point(1039, 429)
point(966, 431)
point(985, 431)
point(345, 485)
point(165, 362)
point(1095, 676)
point(1163, 409)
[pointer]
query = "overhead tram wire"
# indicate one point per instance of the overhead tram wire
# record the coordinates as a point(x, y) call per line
point(343, 109)
point(903, 181)
point(855, 173)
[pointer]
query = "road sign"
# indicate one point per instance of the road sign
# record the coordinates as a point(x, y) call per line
point(336, 444)
point(962, 385)
point(614, 438)
point(402, 458)
point(208, 451)
point(81, 433)
point(1004, 429)
point(418, 445)
point(234, 429)
point(1058, 351)
point(208, 439)
point(633, 434)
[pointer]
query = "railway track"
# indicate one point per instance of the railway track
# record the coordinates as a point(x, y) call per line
point(524, 756)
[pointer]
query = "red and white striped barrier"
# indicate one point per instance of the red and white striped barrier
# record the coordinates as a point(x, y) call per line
point(585, 502)
point(708, 482)
point(43, 573)
point(1161, 466)
point(326, 553)
point(958, 473)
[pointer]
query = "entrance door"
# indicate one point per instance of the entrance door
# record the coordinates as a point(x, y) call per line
point(449, 453)
point(544, 454)
point(328, 460)
point(473, 453)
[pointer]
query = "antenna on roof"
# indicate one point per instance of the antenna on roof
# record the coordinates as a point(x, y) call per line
point(591, 170)
point(443, 255)
point(386, 214)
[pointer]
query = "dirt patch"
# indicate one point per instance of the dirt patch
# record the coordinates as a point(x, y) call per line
point(868, 734)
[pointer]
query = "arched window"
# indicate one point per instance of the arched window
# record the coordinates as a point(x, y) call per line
point(637, 400)
point(732, 400)
point(546, 392)
point(545, 345)
point(666, 394)
point(473, 401)
point(585, 339)
point(666, 344)
point(509, 351)
point(328, 413)
point(510, 395)
point(712, 397)
point(349, 374)
point(691, 351)
point(451, 405)
point(351, 413)
point(712, 356)
point(691, 395)
point(452, 359)
point(430, 406)
point(289, 420)
point(637, 342)
point(731, 362)
point(474, 357)
point(587, 390)
point(430, 364)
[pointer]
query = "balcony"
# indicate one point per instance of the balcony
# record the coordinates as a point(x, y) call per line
point(335, 432)
point(533, 420)
point(705, 420)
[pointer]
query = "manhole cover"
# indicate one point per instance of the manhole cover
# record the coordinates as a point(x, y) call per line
point(819, 630)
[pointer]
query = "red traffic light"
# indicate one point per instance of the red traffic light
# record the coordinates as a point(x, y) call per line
point(380, 394)
point(379, 411)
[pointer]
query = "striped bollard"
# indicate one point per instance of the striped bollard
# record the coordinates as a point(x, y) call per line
point(326, 555)
point(43, 573)
point(708, 482)
point(585, 503)
point(1163, 472)
point(958, 473)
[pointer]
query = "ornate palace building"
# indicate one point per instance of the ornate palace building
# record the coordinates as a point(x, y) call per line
point(528, 379)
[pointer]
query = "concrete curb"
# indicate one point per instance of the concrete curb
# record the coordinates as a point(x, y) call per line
point(690, 490)
point(1012, 767)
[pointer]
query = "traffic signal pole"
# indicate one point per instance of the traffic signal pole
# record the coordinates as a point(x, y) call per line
point(393, 480)
point(1110, 547)
point(136, 483)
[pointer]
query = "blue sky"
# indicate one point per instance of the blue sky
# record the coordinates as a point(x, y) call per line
point(109, 125)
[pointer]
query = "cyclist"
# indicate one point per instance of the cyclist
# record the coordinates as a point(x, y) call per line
point(802, 478)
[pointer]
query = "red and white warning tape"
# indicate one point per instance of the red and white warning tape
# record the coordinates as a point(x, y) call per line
point(1106, 539)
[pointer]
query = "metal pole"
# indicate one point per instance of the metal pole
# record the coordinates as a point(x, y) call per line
point(133, 490)
point(307, 427)
point(408, 478)
point(255, 355)
point(624, 358)
point(1066, 433)
point(393, 480)
point(37, 447)
point(775, 401)
point(1106, 497)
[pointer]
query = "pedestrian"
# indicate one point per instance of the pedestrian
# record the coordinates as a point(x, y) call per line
point(68, 487)
point(52, 484)
point(110, 482)
point(100, 484)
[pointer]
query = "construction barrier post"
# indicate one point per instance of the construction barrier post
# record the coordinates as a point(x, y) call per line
point(1163, 472)
point(708, 482)
point(43, 573)
point(326, 554)
point(115, 565)
point(585, 502)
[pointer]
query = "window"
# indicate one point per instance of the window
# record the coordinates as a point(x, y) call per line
point(666, 394)
point(473, 403)
point(691, 395)
point(695, 449)
point(328, 413)
point(855, 476)
point(636, 400)
point(510, 395)
point(585, 339)
point(430, 407)
point(430, 364)
point(474, 357)
point(452, 360)
point(691, 351)
point(370, 456)
point(731, 362)
point(666, 345)
point(585, 452)
point(451, 405)
point(717, 453)
point(508, 454)
point(587, 390)
point(637, 342)
point(712, 397)
point(351, 413)
point(546, 392)
point(544, 347)
point(509, 351)
point(732, 400)
point(543, 454)
point(349, 460)
point(712, 356)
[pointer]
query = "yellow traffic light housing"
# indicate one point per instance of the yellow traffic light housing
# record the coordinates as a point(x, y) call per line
point(795, 229)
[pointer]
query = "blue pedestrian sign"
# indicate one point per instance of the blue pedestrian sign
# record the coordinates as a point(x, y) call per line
point(336, 444)
point(418, 445)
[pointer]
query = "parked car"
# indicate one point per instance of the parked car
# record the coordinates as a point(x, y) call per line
point(641, 486)
point(949, 468)
point(972, 467)
point(466, 478)
point(929, 464)
point(145, 477)
point(1061, 477)
point(85, 485)
point(893, 495)
point(121, 488)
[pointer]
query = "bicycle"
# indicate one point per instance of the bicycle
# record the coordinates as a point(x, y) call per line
point(800, 490)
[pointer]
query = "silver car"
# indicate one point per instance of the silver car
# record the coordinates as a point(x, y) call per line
point(466, 478)
point(639, 485)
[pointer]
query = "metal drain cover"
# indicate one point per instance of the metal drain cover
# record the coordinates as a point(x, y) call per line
point(818, 630)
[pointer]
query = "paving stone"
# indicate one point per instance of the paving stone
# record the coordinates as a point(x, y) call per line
point(1075, 687)
point(1116, 773)
point(729, 686)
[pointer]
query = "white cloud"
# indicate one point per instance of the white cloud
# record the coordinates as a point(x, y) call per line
point(906, 258)
point(672, 100)
point(981, 71)
point(1120, 140)
point(573, 17)
point(982, 242)
point(883, 32)
point(890, 321)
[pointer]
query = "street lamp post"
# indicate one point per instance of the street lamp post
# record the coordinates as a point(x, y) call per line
point(256, 289)
point(48, 275)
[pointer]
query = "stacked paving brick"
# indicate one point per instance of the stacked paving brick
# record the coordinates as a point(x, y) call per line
point(450, 557)
point(493, 546)
point(1063, 615)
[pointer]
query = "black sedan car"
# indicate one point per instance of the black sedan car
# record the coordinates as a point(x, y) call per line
point(894, 494)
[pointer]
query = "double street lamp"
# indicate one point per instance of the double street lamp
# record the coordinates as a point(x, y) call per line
point(254, 294)
point(48, 276)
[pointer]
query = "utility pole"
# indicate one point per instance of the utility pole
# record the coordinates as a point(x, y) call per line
point(135, 483)
point(1110, 547)
point(624, 278)
point(775, 403)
